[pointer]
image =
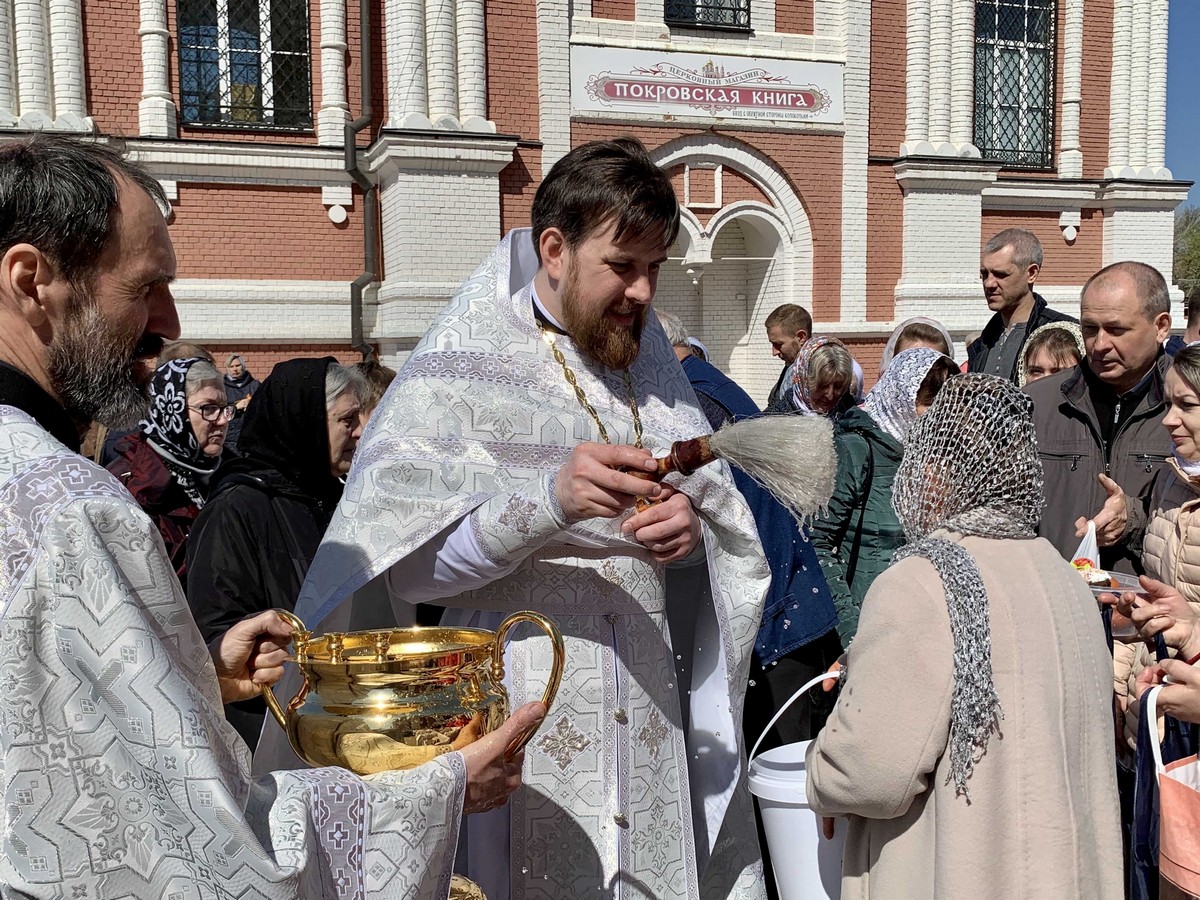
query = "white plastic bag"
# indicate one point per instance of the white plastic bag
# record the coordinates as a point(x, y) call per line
point(1088, 548)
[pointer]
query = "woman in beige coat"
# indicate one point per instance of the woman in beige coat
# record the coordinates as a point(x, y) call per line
point(971, 747)
point(1171, 551)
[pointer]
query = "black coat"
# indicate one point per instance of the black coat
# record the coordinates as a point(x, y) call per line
point(1038, 316)
point(251, 545)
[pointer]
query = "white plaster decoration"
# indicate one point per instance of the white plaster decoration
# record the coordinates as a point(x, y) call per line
point(962, 76)
point(337, 198)
point(408, 95)
point(248, 163)
point(1118, 120)
point(1156, 102)
point(156, 109)
point(941, 237)
point(66, 66)
point(554, 80)
point(334, 112)
point(441, 55)
point(33, 65)
point(1139, 85)
point(916, 124)
point(8, 86)
point(941, 42)
point(1070, 154)
point(1069, 221)
point(472, 67)
point(855, 146)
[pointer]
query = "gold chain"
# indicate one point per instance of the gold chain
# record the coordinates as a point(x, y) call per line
point(587, 404)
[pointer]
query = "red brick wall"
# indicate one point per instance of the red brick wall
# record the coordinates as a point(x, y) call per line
point(259, 232)
point(889, 61)
point(614, 9)
point(869, 353)
point(813, 165)
point(885, 226)
point(113, 65)
point(261, 358)
point(518, 183)
point(512, 67)
point(1064, 263)
point(1097, 88)
point(793, 16)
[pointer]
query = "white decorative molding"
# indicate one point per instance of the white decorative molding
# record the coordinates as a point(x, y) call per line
point(282, 310)
point(243, 163)
point(1156, 91)
point(554, 80)
point(44, 50)
point(66, 65)
point(459, 152)
point(1070, 152)
point(8, 87)
point(1070, 221)
point(855, 149)
point(717, 171)
point(441, 59)
point(1041, 194)
point(1137, 117)
point(916, 121)
point(156, 109)
point(404, 46)
point(760, 44)
point(939, 120)
point(337, 199)
point(1118, 119)
point(334, 113)
point(472, 66)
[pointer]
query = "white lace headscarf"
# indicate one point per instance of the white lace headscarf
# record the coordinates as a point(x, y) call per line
point(892, 402)
point(970, 466)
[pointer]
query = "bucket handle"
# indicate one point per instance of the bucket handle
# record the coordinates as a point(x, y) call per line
point(825, 676)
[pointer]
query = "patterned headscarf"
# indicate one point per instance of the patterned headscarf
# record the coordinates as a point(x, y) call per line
point(169, 429)
point(970, 466)
point(1070, 328)
point(801, 393)
point(892, 403)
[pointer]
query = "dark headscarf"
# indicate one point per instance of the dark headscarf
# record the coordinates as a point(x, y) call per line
point(168, 427)
point(285, 431)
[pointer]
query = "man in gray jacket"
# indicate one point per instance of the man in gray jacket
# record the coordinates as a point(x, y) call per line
point(1099, 425)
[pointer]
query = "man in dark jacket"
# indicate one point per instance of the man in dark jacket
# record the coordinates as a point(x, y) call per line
point(788, 327)
point(1099, 425)
point(1008, 268)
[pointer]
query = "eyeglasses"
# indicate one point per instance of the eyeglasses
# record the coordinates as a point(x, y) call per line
point(213, 412)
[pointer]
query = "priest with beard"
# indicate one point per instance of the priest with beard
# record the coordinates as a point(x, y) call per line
point(121, 776)
point(496, 476)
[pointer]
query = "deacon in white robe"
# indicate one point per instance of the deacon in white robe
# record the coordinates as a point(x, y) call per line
point(635, 785)
point(121, 776)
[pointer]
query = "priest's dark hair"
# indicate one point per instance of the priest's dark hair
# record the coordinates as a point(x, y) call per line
point(606, 181)
point(60, 195)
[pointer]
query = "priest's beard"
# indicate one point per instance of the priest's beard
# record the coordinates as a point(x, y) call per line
point(95, 367)
point(595, 334)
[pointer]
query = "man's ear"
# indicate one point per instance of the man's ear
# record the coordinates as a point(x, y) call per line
point(1031, 273)
point(1162, 323)
point(25, 273)
point(801, 335)
point(552, 246)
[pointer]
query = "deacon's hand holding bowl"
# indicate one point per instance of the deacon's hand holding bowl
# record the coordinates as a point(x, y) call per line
point(251, 653)
point(491, 774)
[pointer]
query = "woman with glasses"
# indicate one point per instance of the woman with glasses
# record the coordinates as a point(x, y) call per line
point(167, 462)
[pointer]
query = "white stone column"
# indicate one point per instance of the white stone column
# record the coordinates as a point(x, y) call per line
point(1139, 84)
point(962, 76)
point(856, 91)
point(554, 79)
point(407, 88)
point(1070, 155)
point(8, 85)
point(1118, 119)
point(66, 61)
point(1156, 105)
point(33, 64)
point(472, 67)
point(156, 109)
point(940, 70)
point(916, 125)
point(334, 113)
point(442, 59)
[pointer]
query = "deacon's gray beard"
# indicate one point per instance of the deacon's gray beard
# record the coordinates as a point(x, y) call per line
point(92, 368)
point(595, 335)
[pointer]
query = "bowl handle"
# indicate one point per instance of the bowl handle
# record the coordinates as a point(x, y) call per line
point(300, 636)
point(555, 671)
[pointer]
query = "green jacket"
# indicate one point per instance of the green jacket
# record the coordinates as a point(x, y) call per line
point(862, 502)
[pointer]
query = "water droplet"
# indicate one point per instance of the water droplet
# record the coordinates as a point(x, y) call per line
point(679, 656)
point(670, 685)
point(751, 684)
point(524, 870)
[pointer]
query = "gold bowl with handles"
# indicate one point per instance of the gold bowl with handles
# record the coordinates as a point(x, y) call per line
point(376, 701)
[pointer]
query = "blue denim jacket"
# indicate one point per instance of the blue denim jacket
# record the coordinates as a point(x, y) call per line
point(798, 608)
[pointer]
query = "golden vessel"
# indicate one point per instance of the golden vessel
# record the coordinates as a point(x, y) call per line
point(375, 701)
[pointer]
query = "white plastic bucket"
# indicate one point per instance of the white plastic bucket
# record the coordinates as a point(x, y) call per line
point(807, 865)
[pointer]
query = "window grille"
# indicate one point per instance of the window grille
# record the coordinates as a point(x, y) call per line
point(732, 15)
point(1014, 82)
point(245, 63)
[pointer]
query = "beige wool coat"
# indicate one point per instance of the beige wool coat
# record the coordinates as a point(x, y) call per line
point(1042, 821)
point(1171, 554)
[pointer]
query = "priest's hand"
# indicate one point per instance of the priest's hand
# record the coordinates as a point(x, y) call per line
point(670, 530)
point(250, 654)
point(591, 483)
point(491, 776)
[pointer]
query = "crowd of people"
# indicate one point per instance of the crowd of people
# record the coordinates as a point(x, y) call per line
point(984, 737)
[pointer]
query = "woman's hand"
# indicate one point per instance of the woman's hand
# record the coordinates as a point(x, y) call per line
point(1180, 698)
point(1162, 610)
point(250, 654)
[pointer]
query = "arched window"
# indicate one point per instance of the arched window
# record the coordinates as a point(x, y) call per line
point(1014, 82)
point(245, 63)
point(729, 15)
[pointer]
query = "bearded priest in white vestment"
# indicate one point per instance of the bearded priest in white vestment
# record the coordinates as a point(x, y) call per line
point(488, 483)
point(121, 777)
